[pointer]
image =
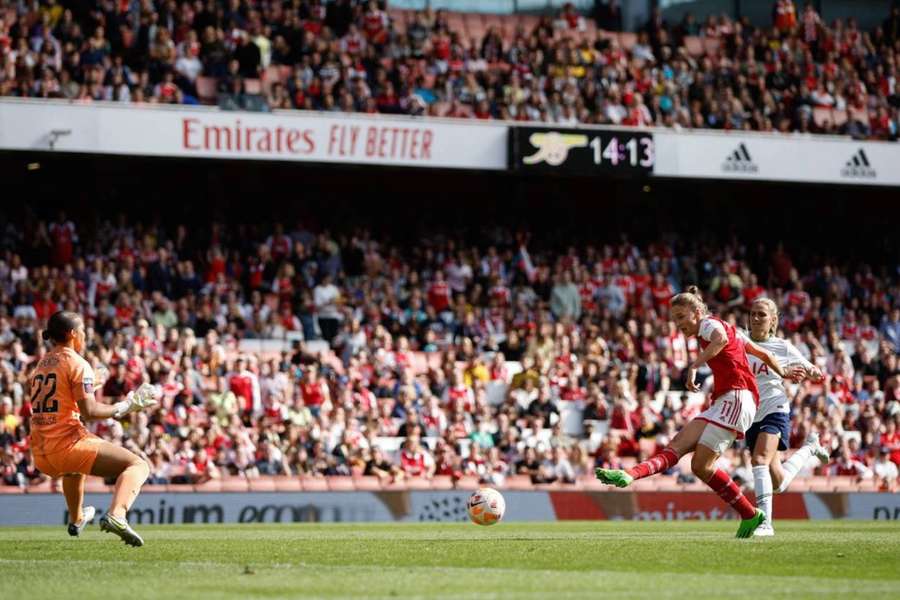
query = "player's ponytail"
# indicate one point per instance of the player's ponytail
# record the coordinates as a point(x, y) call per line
point(692, 298)
point(59, 325)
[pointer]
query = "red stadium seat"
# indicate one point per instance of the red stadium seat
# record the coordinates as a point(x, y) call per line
point(866, 485)
point(820, 484)
point(442, 482)
point(627, 39)
point(252, 86)
point(340, 484)
point(518, 482)
point(549, 487)
point(467, 483)
point(456, 23)
point(367, 483)
point(400, 19)
point(271, 76)
point(711, 45)
point(93, 485)
point(313, 484)
point(263, 484)
point(529, 22)
point(207, 89)
point(287, 483)
point(417, 483)
point(235, 484)
point(213, 485)
point(694, 45)
point(179, 488)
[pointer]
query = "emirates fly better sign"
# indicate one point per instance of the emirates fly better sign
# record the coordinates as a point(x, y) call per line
point(105, 128)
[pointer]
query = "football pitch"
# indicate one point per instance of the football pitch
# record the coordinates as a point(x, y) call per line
point(511, 560)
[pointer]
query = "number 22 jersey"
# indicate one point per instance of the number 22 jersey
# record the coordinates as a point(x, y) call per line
point(60, 379)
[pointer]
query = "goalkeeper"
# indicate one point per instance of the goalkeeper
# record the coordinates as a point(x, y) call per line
point(62, 394)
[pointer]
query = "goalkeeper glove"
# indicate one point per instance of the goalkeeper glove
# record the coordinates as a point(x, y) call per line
point(144, 397)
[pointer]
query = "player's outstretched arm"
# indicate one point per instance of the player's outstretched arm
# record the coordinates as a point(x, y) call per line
point(144, 397)
point(770, 360)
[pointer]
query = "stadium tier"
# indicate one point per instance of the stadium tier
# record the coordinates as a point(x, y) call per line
point(796, 73)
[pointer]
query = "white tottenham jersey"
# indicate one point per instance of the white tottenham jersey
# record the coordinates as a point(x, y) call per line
point(772, 395)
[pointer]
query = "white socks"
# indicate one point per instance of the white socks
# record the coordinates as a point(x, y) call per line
point(793, 465)
point(762, 485)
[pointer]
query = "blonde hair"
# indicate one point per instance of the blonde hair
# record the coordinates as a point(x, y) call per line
point(773, 308)
point(691, 298)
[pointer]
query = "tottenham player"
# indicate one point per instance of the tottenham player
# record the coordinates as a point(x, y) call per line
point(772, 425)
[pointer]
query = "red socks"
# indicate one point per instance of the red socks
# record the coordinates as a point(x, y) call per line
point(663, 461)
point(728, 491)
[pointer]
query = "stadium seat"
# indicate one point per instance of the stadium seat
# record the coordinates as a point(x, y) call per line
point(252, 86)
point(94, 485)
point(235, 484)
point(518, 482)
point(400, 19)
point(213, 485)
point(11, 489)
point(263, 484)
point(529, 22)
point(335, 483)
point(287, 483)
point(467, 482)
point(207, 89)
point(711, 45)
point(550, 487)
point(367, 483)
point(822, 116)
point(417, 483)
point(442, 482)
point(866, 485)
point(313, 484)
point(45, 487)
point(820, 484)
point(271, 76)
point(627, 40)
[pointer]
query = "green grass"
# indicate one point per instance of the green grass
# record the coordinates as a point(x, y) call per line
point(546, 560)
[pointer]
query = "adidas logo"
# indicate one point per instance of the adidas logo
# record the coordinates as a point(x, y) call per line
point(859, 166)
point(740, 161)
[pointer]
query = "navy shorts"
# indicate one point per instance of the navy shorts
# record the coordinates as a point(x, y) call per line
point(775, 423)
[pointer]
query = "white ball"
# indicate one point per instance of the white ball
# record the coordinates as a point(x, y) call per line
point(486, 506)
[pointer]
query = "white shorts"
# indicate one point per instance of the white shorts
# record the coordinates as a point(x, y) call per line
point(729, 418)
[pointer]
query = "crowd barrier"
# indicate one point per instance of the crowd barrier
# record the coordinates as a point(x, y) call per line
point(346, 499)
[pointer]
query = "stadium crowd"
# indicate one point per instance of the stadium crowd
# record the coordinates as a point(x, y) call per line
point(507, 357)
point(801, 74)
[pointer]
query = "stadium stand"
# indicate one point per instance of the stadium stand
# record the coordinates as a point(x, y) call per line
point(801, 74)
point(296, 358)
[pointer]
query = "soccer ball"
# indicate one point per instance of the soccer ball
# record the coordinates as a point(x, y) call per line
point(486, 506)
